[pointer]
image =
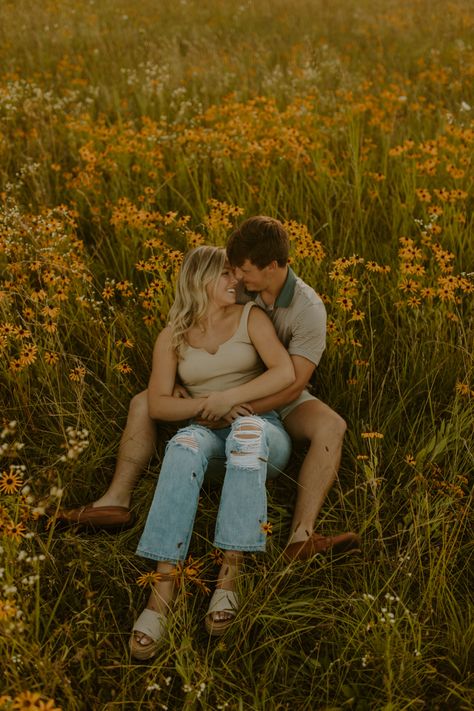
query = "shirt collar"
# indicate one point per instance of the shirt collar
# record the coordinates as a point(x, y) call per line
point(285, 297)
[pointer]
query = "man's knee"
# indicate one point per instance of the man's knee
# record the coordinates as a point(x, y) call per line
point(138, 406)
point(314, 419)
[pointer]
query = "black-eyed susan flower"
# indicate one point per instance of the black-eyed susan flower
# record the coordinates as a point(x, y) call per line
point(344, 302)
point(51, 358)
point(77, 374)
point(15, 530)
point(27, 700)
point(125, 342)
point(216, 556)
point(28, 354)
point(149, 579)
point(10, 482)
point(124, 368)
point(267, 528)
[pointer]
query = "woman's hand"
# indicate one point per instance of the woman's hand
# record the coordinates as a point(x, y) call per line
point(217, 405)
point(243, 410)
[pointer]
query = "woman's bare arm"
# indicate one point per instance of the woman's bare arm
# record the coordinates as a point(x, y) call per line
point(279, 374)
point(161, 403)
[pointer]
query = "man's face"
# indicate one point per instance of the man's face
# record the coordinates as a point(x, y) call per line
point(253, 278)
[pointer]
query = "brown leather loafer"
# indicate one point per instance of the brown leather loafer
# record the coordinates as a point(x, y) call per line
point(96, 517)
point(303, 550)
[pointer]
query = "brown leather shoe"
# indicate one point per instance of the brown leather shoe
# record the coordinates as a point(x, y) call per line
point(303, 550)
point(104, 517)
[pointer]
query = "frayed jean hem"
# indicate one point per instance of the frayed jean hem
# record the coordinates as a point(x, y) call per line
point(158, 558)
point(260, 548)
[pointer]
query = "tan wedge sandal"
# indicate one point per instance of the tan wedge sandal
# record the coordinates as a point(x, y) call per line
point(153, 625)
point(221, 601)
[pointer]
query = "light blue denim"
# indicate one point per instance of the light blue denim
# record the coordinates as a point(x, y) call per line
point(243, 502)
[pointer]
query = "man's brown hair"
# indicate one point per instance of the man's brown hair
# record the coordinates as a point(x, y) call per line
point(260, 239)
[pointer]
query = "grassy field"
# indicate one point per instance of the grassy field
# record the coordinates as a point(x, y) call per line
point(131, 131)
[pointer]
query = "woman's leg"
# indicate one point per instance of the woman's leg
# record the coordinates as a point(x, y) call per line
point(253, 443)
point(169, 527)
point(171, 517)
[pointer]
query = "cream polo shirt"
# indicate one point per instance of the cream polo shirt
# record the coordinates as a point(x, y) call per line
point(299, 318)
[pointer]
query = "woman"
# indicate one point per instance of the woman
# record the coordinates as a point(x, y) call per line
point(225, 354)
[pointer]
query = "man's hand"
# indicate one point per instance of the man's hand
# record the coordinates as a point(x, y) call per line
point(217, 405)
point(243, 410)
point(180, 391)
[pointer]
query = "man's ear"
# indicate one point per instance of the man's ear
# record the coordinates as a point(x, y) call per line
point(273, 265)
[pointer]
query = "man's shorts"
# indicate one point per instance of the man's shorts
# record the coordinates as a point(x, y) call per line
point(286, 409)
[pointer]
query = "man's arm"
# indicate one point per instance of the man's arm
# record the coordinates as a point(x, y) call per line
point(304, 369)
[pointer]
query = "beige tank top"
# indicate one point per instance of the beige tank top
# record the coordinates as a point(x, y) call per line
point(235, 362)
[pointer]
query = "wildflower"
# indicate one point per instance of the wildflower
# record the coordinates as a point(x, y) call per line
point(51, 358)
point(124, 368)
point(50, 311)
point(10, 482)
point(409, 285)
point(28, 354)
point(50, 326)
point(192, 568)
point(344, 302)
point(362, 457)
point(357, 315)
point(16, 365)
point(410, 460)
point(149, 579)
point(216, 556)
point(125, 342)
point(27, 700)
point(423, 194)
point(149, 320)
point(7, 610)
point(266, 528)
point(77, 374)
point(15, 530)
point(107, 292)
point(462, 388)
point(372, 435)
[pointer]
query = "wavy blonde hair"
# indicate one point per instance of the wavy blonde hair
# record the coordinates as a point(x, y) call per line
point(201, 267)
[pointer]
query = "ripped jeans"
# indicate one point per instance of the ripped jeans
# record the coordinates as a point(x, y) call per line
point(246, 448)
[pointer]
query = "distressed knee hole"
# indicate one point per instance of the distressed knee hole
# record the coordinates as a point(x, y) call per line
point(247, 452)
point(188, 441)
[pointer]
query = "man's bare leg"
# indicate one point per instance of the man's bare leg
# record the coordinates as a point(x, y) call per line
point(323, 429)
point(137, 446)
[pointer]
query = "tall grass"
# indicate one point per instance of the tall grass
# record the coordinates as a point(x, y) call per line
point(129, 132)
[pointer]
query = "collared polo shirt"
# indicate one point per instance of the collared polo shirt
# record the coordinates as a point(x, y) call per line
point(299, 317)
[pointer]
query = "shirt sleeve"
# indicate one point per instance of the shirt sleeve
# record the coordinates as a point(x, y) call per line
point(308, 338)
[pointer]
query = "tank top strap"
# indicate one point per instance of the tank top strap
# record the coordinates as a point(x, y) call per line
point(242, 330)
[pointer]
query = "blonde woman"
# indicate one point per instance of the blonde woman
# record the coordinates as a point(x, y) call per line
point(225, 354)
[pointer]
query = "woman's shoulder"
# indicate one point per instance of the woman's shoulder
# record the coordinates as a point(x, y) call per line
point(164, 337)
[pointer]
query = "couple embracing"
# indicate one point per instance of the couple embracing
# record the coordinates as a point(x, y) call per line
point(243, 338)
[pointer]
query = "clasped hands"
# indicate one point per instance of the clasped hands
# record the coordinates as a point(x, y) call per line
point(217, 410)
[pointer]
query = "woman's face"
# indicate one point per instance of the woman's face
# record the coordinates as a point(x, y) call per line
point(222, 291)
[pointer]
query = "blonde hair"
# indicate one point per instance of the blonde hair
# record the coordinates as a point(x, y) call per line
point(201, 266)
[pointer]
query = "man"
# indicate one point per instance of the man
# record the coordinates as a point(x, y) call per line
point(258, 250)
